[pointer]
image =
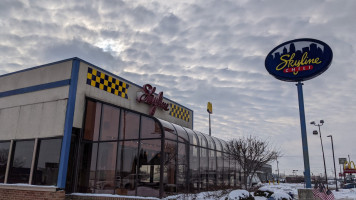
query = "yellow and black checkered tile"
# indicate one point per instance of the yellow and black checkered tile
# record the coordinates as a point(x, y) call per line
point(179, 112)
point(107, 83)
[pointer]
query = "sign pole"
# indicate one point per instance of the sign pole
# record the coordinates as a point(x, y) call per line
point(304, 135)
point(209, 126)
point(210, 110)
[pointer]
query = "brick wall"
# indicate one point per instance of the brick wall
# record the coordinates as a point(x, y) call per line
point(16, 194)
point(30, 192)
point(77, 197)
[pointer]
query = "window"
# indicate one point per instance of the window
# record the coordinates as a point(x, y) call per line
point(130, 124)
point(149, 171)
point(126, 169)
point(182, 166)
point(4, 152)
point(150, 128)
point(203, 167)
point(194, 168)
point(46, 171)
point(192, 136)
point(182, 135)
point(92, 121)
point(169, 178)
point(21, 162)
point(87, 167)
point(169, 131)
point(110, 123)
point(105, 170)
point(212, 168)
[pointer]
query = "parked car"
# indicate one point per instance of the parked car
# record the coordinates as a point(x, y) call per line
point(349, 185)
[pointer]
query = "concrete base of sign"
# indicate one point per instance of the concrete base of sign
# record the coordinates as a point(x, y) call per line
point(305, 194)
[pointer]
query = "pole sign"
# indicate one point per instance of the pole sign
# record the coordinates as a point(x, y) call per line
point(209, 108)
point(299, 60)
point(296, 61)
point(348, 168)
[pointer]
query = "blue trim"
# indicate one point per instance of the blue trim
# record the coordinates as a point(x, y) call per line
point(68, 125)
point(35, 88)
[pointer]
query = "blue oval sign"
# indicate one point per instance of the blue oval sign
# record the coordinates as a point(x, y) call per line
point(299, 60)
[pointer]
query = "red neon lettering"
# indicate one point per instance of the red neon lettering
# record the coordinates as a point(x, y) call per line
point(149, 98)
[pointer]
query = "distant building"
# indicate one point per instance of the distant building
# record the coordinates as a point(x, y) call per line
point(265, 173)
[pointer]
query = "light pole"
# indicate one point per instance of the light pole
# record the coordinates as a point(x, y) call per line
point(278, 173)
point(322, 148)
point(332, 146)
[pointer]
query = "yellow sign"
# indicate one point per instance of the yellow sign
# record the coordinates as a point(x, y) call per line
point(210, 108)
point(348, 165)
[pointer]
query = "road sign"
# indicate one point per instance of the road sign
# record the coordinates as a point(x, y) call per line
point(342, 161)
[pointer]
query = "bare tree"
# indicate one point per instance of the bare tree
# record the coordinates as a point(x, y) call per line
point(251, 153)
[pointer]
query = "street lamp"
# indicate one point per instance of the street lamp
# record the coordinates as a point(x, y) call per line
point(322, 148)
point(332, 145)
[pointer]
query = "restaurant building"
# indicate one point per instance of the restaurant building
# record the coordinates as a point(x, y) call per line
point(82, 129)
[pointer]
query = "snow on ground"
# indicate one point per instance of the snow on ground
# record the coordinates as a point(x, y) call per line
point(279, 190)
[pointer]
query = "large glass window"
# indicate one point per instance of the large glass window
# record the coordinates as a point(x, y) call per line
point(4, 152)
point(202, 140)
point(110, 123)
point(92, 121)
point(203, 167)
point(182, 170)
point(212, 168)
point(169, 131)
point(150, 128)
point(194, 175)
point(46, 171)
point(192, 136)
point(232, 173)
point(122, 154)
point(169, 179)
point(226, 169)
point(21, 162)
point(220, 170)
point(182, 135)
point(105, 170)
point(149, 168)
point(130, 125)
point(87, 167)
point(126, 166)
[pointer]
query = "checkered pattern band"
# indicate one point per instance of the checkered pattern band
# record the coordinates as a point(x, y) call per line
point(107, 83)
point(179, 112)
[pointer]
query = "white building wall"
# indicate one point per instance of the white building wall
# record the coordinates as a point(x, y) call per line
point(37, 76)
point(34, 114)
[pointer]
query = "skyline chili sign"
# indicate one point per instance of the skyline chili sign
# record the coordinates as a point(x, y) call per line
point(299, 60)
point(149, 98)
point(296, 61)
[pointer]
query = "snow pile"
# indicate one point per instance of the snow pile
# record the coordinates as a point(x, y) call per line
point(214, 195)
point(281, 195)
point(237, 194)
point(114, 195)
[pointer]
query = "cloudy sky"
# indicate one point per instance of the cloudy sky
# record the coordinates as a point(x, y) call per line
point(205, 50)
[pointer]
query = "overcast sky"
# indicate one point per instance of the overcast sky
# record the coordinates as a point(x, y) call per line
point(207, 50)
